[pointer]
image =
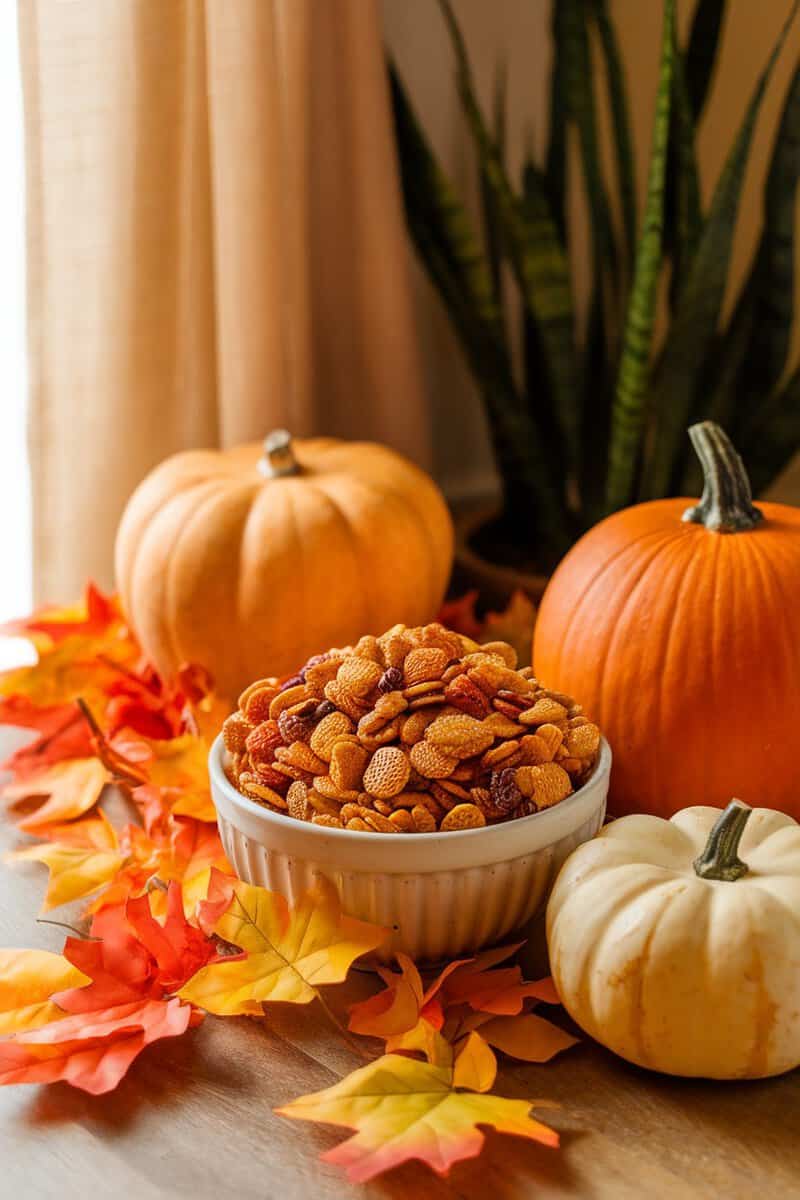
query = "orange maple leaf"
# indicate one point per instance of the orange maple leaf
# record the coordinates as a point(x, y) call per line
point(117, 1003)
point(92, 1053)
point(404, 1108)
point(289, 952)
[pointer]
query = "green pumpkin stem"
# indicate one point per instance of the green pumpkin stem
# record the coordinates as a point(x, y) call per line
point(726, 505)
point(720, 859)
point(278, 459)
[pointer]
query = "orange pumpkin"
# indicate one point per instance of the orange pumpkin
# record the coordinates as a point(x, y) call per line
point(249, 560)
point(679, 631)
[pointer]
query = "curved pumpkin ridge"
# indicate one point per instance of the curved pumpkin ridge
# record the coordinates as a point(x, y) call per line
point(669, 669)
point(147, 592)
point(389, 481)
point(552, 636)
point(203, 593)
point(359, 592)
point(267, 587)
point(639, 570)
point(399, 567)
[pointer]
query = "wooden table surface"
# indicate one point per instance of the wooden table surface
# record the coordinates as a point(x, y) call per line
point(193, 1117)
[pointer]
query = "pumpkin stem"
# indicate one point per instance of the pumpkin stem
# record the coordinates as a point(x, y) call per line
point(278, 459)
point(720, 859)
point(726, 505)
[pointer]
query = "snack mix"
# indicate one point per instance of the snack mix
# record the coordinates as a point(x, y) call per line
point(415, 731)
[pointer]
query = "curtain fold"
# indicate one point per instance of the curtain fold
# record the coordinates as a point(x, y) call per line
point(215, 247)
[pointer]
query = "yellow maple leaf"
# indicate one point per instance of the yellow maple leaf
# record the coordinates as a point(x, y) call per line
point(28, 978)
point(179, 766)
point(289, 952)
point(87, 859)
point(404, 1108)
point(71, 787)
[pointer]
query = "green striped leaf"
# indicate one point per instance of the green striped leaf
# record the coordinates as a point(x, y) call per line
point(701, 54)
point(534, 250)
point(623, 143)
point(572, 46)
point(630, 405)
point(452, 256)
point(778, 437)
point(773, 270)
point(683, 218)
point(491, 220)
point(696, 317)
point(556, 161)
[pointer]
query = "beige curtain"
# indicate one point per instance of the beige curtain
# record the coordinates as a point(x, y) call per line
point(216, 246)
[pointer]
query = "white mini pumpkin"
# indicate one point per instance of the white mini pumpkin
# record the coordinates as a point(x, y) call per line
point(671, 951)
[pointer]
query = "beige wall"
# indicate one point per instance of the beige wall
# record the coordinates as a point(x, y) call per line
point(519, 30)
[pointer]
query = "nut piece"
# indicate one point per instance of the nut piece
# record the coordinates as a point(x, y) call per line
point(387, 773)
point(235, 730)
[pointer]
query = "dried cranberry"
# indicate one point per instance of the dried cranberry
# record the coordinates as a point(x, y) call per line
point(323, 709)
point(390, 680)
point(504, 791)
point(297, 726)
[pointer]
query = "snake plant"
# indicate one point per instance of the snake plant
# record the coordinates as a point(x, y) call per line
point(587, 421)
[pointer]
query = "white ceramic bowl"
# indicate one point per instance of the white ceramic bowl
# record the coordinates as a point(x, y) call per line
point(441, 894)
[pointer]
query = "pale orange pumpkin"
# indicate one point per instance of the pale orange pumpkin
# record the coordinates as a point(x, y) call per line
point(249, 560)
point(679, 631)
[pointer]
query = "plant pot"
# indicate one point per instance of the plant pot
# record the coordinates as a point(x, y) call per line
point(495, 582)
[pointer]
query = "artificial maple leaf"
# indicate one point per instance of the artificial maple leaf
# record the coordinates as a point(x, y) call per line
point(131, 955)
point(460, 615)
point(28, 978)
point(121, 1003)
point(61, 729)
point(92, 1053)
point(71, 788)
point(92, 617)
point(514, 625)
point(470, 996)
point(526, 1036)
point(179, 767)
point(82, 666)
point(403, 1108)
point(288, 952)
point(75, 871)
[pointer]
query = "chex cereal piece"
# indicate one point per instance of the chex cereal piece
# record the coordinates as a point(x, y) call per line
point(423, 664)
point(328, 732)
point(463, 816)
point(387, 773)
point(235, 729)
point(431, 762)
point(348, 763)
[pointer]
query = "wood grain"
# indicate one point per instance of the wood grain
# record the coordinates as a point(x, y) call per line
point(194, 1118)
